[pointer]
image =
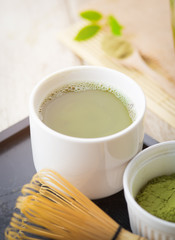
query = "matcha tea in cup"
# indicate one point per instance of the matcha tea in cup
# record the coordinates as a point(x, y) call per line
point(87, 123)
point(86, 110)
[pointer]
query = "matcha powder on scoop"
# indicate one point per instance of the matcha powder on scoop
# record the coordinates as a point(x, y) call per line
point(158, 197)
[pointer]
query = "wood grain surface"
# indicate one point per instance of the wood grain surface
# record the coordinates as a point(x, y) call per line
point(30, 48)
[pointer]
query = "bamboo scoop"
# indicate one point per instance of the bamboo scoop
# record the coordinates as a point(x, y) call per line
point(120, 49)
point(51, 208)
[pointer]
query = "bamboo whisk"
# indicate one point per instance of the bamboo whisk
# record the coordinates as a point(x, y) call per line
point(51, 208)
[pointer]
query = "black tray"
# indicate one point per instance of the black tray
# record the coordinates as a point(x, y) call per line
point(16, 169)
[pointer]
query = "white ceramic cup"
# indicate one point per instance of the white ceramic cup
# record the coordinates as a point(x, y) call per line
point(94, 165)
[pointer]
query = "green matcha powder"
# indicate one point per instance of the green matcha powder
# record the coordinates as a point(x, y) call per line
point(158, 197)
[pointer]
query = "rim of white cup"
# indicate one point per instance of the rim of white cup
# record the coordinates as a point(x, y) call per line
point(78, 139)
point(129, 197)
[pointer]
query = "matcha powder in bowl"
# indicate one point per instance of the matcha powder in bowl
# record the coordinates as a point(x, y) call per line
point(158, 197)
point(149, 188)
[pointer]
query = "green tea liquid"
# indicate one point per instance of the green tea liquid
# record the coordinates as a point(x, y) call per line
point(86, 113)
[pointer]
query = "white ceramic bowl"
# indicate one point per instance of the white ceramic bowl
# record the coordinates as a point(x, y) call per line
point(154, 161)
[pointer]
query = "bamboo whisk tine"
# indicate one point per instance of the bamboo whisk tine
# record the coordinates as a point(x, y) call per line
point(51, 208)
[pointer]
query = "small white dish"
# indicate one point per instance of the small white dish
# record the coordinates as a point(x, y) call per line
point(154, 161)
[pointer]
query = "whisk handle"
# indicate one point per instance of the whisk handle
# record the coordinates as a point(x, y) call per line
point(122, 234)
point(117, 233)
